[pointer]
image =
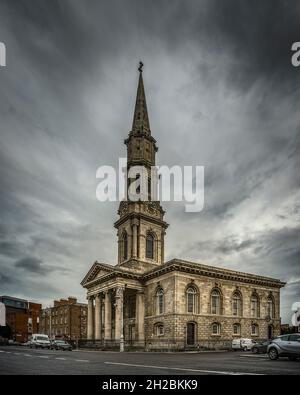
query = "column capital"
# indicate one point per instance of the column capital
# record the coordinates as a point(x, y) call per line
point(135, 222)
point(120, 291)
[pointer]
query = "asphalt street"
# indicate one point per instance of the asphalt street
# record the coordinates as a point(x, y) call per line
point(22, 360)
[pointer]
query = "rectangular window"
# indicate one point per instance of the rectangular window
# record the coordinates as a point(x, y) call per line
point(215, 308)
point(254, 308)
point(190, 303)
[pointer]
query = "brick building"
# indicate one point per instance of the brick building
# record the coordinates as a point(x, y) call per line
point(22, 317)
point(66, 319)
point(147, 302)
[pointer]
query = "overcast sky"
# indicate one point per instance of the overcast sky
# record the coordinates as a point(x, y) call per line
point(221, 93)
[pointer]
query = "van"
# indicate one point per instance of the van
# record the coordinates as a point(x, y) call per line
point(242, 344)
point(39, 341)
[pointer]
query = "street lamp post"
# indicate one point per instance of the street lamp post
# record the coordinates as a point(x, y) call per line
point(120, 296)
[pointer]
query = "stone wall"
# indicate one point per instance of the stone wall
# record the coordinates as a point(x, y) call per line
point(175, 317)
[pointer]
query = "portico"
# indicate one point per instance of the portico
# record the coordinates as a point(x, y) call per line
point(116, 314)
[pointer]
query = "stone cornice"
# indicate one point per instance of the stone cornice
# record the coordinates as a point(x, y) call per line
point(177, 265)
point(146, 217)
point(213, 272)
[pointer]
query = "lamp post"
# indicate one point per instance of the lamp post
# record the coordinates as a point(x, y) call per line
point(120, 296)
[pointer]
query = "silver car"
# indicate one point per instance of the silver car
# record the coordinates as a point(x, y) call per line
point(285, 346)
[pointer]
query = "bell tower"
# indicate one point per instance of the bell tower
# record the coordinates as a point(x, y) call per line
point(141, 227)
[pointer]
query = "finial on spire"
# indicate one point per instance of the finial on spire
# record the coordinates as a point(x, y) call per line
point(141, 65)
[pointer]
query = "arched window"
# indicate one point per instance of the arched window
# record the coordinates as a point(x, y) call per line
point(149, 246)
point(254, 330)
point(191, 302)
point(237, 329)
point(215, 302)
point(160, 301)
point(159, 329)
point(270, 307)
point(254, 306)
point(236, 304)
point(216, 328)
point(125, 246)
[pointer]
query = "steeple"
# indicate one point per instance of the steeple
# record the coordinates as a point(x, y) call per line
point(141, 146)
point(141, 226)
point(140, 119)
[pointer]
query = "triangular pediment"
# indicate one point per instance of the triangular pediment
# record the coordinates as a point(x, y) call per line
point(96, 271)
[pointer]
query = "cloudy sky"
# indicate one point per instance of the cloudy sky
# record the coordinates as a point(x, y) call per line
point(221, 93)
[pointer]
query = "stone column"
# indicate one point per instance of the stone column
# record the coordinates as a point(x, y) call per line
point(134, 240)
point(90, 318)
point(107, 316)
point(162, 247)
point(140, 315)
point(119, 321)
point(98, 317)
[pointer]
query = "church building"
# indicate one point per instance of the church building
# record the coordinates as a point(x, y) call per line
point(144, 302)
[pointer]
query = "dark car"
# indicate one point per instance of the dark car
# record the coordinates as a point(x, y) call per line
point(260, 348)
point(61, 345)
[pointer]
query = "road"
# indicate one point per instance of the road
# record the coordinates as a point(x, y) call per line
point(22, 360)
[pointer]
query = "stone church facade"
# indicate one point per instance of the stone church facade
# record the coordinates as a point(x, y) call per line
point(147, 303)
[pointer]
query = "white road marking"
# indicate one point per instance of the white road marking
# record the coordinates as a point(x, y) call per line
point(82, 360)
point(60, 358)
point(184, 369)
point(28, 355)
point(42, 356)
point(8, 352)
point(2, 351)
point(254, 356)
point(17, 353)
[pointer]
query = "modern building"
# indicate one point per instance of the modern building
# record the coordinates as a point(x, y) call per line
point(22, 317)
point(146, 302)
point(66, 319)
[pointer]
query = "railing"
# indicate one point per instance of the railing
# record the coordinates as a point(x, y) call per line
point(156, 345)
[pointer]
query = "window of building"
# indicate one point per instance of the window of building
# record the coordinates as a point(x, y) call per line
point(254, 330)
point(215, 302)
point(160, 301)
point(149, 246)
point(191, 333)
point(270, 307)
point(216, 328)
point(254, 306)
point(131, 306)
point(159, 329)
point(237, 329)
point(191, 295)
point(236, 304)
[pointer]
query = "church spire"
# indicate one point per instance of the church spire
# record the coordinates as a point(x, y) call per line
point(140, 118)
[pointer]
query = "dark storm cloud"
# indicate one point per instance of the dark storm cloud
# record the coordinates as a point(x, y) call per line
point(32, 265)
point(221, 92)
point(259, 36)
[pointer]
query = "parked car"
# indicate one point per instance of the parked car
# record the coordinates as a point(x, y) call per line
point(285, 346)
point(61, 345)
point(242, 344)
point(260, 348)
point(26, 344)
point(39, 341)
